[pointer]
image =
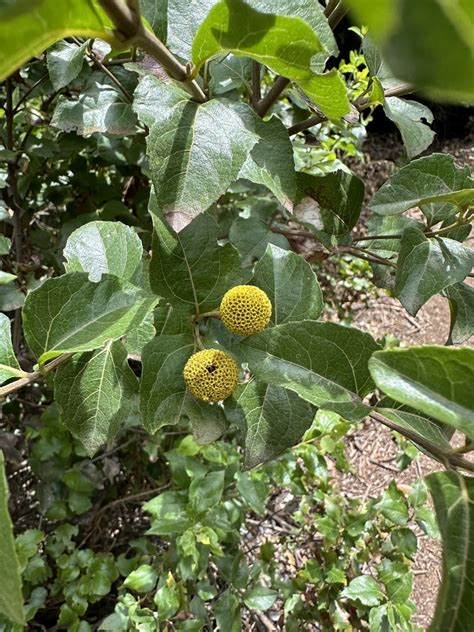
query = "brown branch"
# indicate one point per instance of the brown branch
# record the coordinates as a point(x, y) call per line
point(130, 29)
point(449, 458)
point(337, 15)
point(34, 376)
point(272, 95)
point(256, 84)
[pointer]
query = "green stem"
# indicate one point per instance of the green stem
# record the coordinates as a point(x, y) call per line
point(130, 28)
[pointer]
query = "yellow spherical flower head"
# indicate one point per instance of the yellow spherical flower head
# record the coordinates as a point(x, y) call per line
point(211, 375)
point(245, 310)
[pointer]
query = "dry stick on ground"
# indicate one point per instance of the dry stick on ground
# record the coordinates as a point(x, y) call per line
point(130, 29)
point(449, 458)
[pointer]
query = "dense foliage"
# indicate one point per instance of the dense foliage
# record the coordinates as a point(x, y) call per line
point(159, 156)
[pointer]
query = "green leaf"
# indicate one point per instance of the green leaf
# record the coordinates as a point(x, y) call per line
point(11, 597)
point(169, 513)
point(424, 426)
point(422, 180)
point(206, 491)
point(453, 498)
point(408, 116)
point(334, 201)
point(271, 161)
point(162, 387)
point(365, 590)
point(167, 599)
point(228, 73)
point(291, 285)
point(435, 380)
point(184, 18)
point(5, 245)
point(189, 269)
point(227, 612)
point(461, 303)
point(260, 598)
point(99, 107)
point(428, 265)
point(95, 392)
point(392, 505)
point(324, 363)
point(208, 422)
point(274, 419)
point(214, 140)
point(70, 313)
point(9, 366)
point(397, 579)
point(104, 247)
point(436, 54)
point(251, 236)
point(285, 44)
point(28, 28)
point(253, 490)
point(155, 12)
point(64, 61)
point(142, 580)
point(11, 297)
point(6, 277)
point(136, 339)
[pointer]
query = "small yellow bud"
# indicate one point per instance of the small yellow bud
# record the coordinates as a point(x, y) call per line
point(211, 375)
point(245, 310)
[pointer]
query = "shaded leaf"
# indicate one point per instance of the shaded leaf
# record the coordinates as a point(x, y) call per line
point(453, 498)
point(95, 393)
point(274, 419)
point(423, 179)
point(252, 236)
point(189, 269)
point(100, 107)
point(285, 44)
point(461, 303)
point(8, 363)
point(337, 200)
point(291, 285)
point(104, 247)
point(169, 513)
point(324, 363)
point(155, 12)
point(214, 139)
point(428, 265)
point(409, 117)
point(271, 163)
point(64, 61)
point(70, 313)
point(162, 387)
point(435, 380)
point(11, 597)
point(208, 422)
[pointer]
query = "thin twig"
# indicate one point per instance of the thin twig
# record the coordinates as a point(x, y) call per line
point(93, 57)
point(272, 95)
point(449, 458)
point(34, 376)
point(256, 83)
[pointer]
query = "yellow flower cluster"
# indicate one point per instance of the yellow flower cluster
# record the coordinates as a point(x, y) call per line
point(245, 310)
point(211, 375)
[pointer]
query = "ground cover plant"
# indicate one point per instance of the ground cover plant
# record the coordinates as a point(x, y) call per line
point(177, 210)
